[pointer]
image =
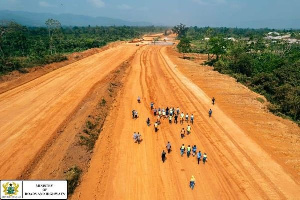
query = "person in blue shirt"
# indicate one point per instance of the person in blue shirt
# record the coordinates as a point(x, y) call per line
point(199, 156)
point(192, 119)
point(209, 112)
point(194, 149)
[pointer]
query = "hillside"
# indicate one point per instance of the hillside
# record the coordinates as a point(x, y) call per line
point(38, 19)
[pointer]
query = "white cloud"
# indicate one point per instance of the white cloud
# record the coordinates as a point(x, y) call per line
point(45, 4)
point(209, 2)
point(124, 7)
point(97, 3)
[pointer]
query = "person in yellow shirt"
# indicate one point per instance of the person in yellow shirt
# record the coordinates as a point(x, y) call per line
point(204, 158)
point(188, 129)
point(192, 182)
point(182, 149)
point(188, 151)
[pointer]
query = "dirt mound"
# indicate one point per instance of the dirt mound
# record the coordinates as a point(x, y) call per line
point(16, 78)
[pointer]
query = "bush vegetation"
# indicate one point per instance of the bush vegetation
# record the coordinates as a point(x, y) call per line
point(269, 67)
point(72, 176)
point(22, 47)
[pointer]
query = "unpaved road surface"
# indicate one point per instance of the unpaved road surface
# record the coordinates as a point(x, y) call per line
point(237, 168)
point(31, 114)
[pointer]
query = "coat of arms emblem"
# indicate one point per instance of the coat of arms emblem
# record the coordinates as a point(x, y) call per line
point(10, 189)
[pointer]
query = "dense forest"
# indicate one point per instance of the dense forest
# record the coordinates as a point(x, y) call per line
point(22, 47)
point(265, 60)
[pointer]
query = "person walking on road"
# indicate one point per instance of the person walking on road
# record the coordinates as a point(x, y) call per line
point(156, 126)
point(163, 156)
point(192, 119)
point(199, 155)
point(204, 158)
point(148, 121)
point(139, 99)
point(181, 118)
point(213, 101)
point(159, 112)
point(194, 149)
point(135, 137)
point(182, 149)
point(163, 113)
point(138, 137)
point(158, 119)
point(133, 114)
point(188, 129)
point(187, 117)
point(170, 119)
point(192, 182)
point(210, 112)
point(175, 119)
point(169, 147)
point(178, 110)
point(188, 151)
point(151, 105)
point(154, 111)
point(182, 133)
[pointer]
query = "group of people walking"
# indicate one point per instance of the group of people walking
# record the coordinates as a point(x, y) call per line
point(188, 131)
point(193, 151)
point(172, 114)
point(137, 137)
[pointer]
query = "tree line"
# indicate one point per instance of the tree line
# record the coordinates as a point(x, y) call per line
point(269, 67)
point(22, 47)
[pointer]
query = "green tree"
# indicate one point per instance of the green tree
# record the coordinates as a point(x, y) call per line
point(180, 30)
point(53, 28)
point(217, 46)
point(184, 46)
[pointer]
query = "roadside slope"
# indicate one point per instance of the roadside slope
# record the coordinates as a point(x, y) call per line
point(279, 137)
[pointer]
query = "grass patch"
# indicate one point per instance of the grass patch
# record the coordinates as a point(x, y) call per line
point(72, 176)
point(90, 135)
point(90, 125)
point(103, 102)
point(89, 140)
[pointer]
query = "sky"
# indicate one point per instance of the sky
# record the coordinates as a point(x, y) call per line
point(213, 13)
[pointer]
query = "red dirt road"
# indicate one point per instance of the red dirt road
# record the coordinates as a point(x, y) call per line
point(31, 114)
point(237, 168)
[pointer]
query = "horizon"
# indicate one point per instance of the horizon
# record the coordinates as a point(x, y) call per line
point(202, 13)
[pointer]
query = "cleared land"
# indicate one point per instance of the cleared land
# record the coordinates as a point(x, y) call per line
point(240, 164)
